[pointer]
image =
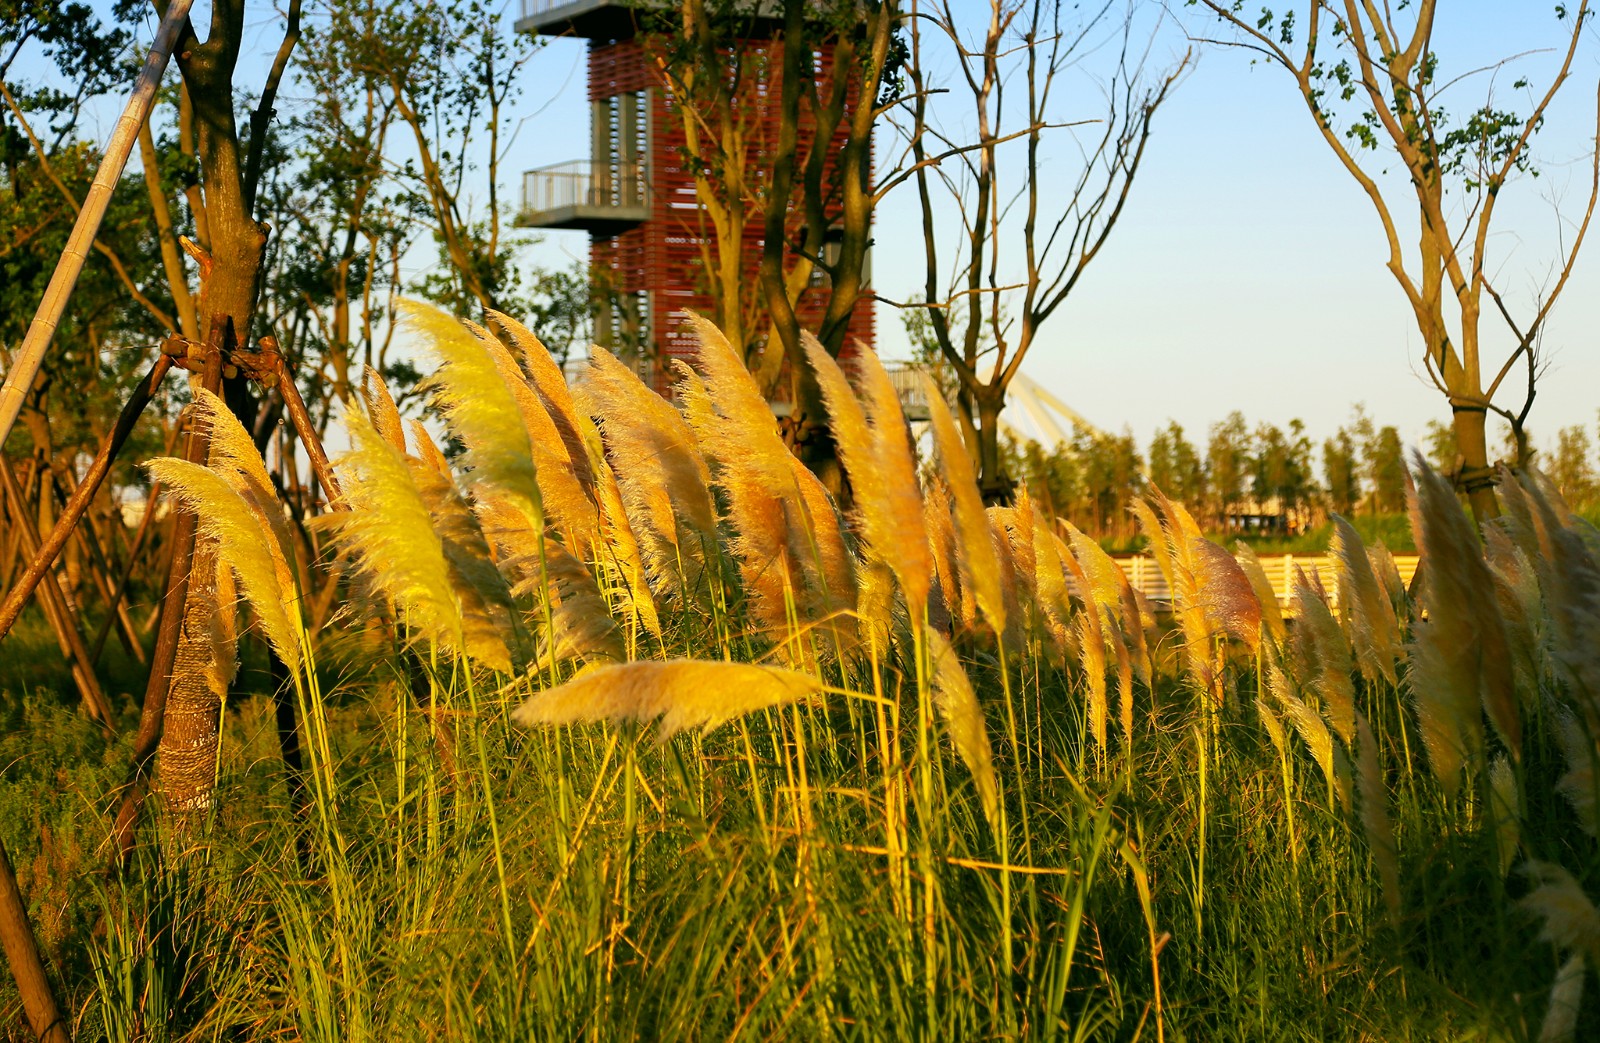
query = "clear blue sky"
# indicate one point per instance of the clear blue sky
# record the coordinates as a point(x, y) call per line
point(1247, 272)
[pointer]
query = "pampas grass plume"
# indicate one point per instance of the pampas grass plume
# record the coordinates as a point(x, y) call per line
point(683, 693)
point(963, 718)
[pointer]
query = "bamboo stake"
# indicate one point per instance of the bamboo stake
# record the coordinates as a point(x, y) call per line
point(19, 378)
point(56, 606)
point(45, 556)
point(27, 969)
point(119, 595)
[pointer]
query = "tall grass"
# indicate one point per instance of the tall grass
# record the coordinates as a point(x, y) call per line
point(742, 764)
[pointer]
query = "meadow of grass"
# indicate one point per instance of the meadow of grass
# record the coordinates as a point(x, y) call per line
point(632, 734)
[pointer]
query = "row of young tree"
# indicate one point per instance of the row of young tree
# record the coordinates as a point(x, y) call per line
point(1263, 479)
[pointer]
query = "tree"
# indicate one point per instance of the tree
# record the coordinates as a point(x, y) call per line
point(1571, 466)
point(1175, 467)
point(985, 316)
point(1341, 475)
point(1385, 465)
point(1228, 466)
point(1380, 86)
point(1281, 469)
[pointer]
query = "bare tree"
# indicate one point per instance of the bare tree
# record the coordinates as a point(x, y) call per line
point(1368, 75)
point(984, 314)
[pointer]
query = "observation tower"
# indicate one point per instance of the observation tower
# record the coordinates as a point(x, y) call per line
point(635, 193)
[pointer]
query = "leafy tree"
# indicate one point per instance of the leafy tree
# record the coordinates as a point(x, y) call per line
point(1227, 466)
point(1281, 469)
point(1341, 474)
point(1372, 84)
point(1383, 459)
point(1571, 466)
point(1175, 465)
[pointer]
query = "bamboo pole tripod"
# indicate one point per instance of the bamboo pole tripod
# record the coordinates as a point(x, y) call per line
point(210, 360)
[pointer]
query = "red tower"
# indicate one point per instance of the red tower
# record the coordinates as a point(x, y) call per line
point(635, 194)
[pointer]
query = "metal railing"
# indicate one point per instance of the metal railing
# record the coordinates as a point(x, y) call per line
point(583, 182)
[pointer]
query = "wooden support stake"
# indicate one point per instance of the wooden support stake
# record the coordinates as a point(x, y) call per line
point(57, 607)
point(45, 556)
point(27, 969)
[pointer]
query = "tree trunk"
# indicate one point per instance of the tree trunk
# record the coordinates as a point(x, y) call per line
point(1475, 477)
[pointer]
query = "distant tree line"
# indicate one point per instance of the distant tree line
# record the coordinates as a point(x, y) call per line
point(1263, 478)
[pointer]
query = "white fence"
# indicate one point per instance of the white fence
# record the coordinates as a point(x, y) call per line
point(1145, 575)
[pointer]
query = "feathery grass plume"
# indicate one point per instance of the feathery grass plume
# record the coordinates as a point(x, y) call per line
point(389, 531)
point(1570, 571)
point(1458, 595)
point(1155, 535)
point(1309, 725)
point(580, 619)
point(897, 489)
point(1560, 1023)
point(1124, 659)
point(1322, 657)
point(1050, 580)
point(1578, 784)
point(1374, 631)
point(660, 472)
point(875, 600)
point(1373, 797)
point(232, 454)
point(566, 499)
point(1452, 728)
point(1388, 574)
point(381, 408)
point(683, 693)
point(1569, 919)
point(551, 385)
point(879, 471)
point(622, 560)
point(428, 451)
point(478, 407)
point(974, 550)
point(1092, 657)
point(1108, 585)
point(940, 527)
point(1010, 593)
point(1266, 597)
point(481, 591)
point(1273, 725)
point(244, 543)
point(963, 718)
point(1225, 592)
point(1170, 537)
point(1504, 817)
point(1013, 532)
point(829, 562)
point(752, 466)
point(1516, 586)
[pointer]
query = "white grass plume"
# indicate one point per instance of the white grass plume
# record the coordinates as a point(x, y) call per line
point(683, 693)
point(1322, 656)
point(1374, 631)
point(973, 547)
point(551, 385)
point(963, 718)
point(225, 517)
point(1266, 597)
point(390, 533)
point(877, 456)
point(1569, 920)
point(1373, 800)
point(479, 408)
point(381, 410)
point(1471, 656)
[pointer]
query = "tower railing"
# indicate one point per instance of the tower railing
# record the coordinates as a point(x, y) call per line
point(582, 183)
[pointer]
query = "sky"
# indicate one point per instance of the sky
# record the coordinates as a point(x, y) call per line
point(1248, 269)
